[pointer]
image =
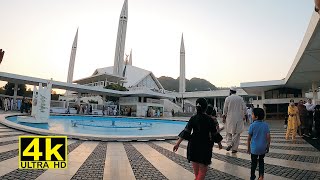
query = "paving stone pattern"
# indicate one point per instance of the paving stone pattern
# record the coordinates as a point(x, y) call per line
point(93, 167)
point(314, 142)
point(272, 137)
point(290, 157)
point(74, 145)
point(26, 174)
point(275, 141)
point(8, 131)
point(294, 148)
point(182, 161)
point(141, 167)
point(10, 135)
point(286, 172)
point(9, 154)
point(288, 142)
point(8, 142)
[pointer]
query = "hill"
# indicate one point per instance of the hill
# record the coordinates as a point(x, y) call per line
point(194, 84)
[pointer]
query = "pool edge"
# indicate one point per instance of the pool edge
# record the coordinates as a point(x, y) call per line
point(79, 136)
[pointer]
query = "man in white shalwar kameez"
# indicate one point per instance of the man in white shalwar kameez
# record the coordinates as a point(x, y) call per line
point(11, 105)
point(234, 111)
point(5, 104)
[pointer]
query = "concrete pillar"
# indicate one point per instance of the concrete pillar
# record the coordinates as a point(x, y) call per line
point(104, 98)
point(262, 99)
point(215, 102)
point(15, 92)
point(182, 103)
point(314, 92)
point(262, 95)
point(78, 99)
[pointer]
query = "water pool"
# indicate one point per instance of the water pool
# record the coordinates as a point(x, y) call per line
point(108, 125)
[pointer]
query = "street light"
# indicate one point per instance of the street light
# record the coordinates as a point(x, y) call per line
point(182, 103)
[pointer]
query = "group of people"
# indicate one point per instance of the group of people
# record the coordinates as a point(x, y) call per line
point(151, 112)
point(109, 111)
point(8, 104)
point(202, 131)
point(302, 119)
point(127, 111)
point(88, 109)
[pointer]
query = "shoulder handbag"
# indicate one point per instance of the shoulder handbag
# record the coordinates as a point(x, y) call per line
point(217, 137)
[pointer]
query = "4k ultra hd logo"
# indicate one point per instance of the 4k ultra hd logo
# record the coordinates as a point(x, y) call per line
point(43, 152)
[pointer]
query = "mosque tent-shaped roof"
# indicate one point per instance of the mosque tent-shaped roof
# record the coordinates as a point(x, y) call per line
point(134, 75)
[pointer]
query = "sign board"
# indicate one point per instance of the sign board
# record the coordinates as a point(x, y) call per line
point(43, 152)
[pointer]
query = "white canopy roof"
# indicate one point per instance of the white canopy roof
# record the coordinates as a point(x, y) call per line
point(133, 75)
point(305, 68)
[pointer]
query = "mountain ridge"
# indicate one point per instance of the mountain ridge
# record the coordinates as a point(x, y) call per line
point(194, 84)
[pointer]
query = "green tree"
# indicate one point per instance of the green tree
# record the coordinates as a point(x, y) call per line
point(9, 88)
point(55, 97)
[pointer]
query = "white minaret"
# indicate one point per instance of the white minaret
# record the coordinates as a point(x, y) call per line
point(182, 80)
point(121, 40)
point(72, 58)
point(130, 58)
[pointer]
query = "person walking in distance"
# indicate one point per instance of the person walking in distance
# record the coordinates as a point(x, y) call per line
point(293, 113)
point(309, 119)
point(234, 111)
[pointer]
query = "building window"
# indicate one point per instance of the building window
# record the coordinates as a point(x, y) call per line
point(275, 94)
point(282, 93)
point(268, 95)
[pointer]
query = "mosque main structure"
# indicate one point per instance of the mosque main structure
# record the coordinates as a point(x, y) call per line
point(125, 74)
point(145, 93)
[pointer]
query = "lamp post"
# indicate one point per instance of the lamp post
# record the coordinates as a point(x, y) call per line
point(15, 92)
point(182, 103)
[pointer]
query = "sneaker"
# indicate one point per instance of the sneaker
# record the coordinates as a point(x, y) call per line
point(228, 148)
point(314, 138)
point(234, 151)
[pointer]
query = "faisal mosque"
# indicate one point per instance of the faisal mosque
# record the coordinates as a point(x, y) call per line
point(146, 94)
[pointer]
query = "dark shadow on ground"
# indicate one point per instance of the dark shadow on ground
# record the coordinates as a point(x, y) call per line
point(314, 142)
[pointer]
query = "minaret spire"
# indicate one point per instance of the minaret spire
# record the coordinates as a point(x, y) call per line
point(121, 40)
point(130, 58)
point(72, 58)
point(182, 79)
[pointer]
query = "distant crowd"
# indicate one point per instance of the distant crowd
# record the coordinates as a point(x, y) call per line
point(304, 119)
point(22, 105)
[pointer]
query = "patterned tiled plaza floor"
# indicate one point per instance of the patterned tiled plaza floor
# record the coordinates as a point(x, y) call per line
point(155, 160)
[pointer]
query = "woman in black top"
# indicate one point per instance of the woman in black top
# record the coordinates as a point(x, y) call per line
point(199, 132)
